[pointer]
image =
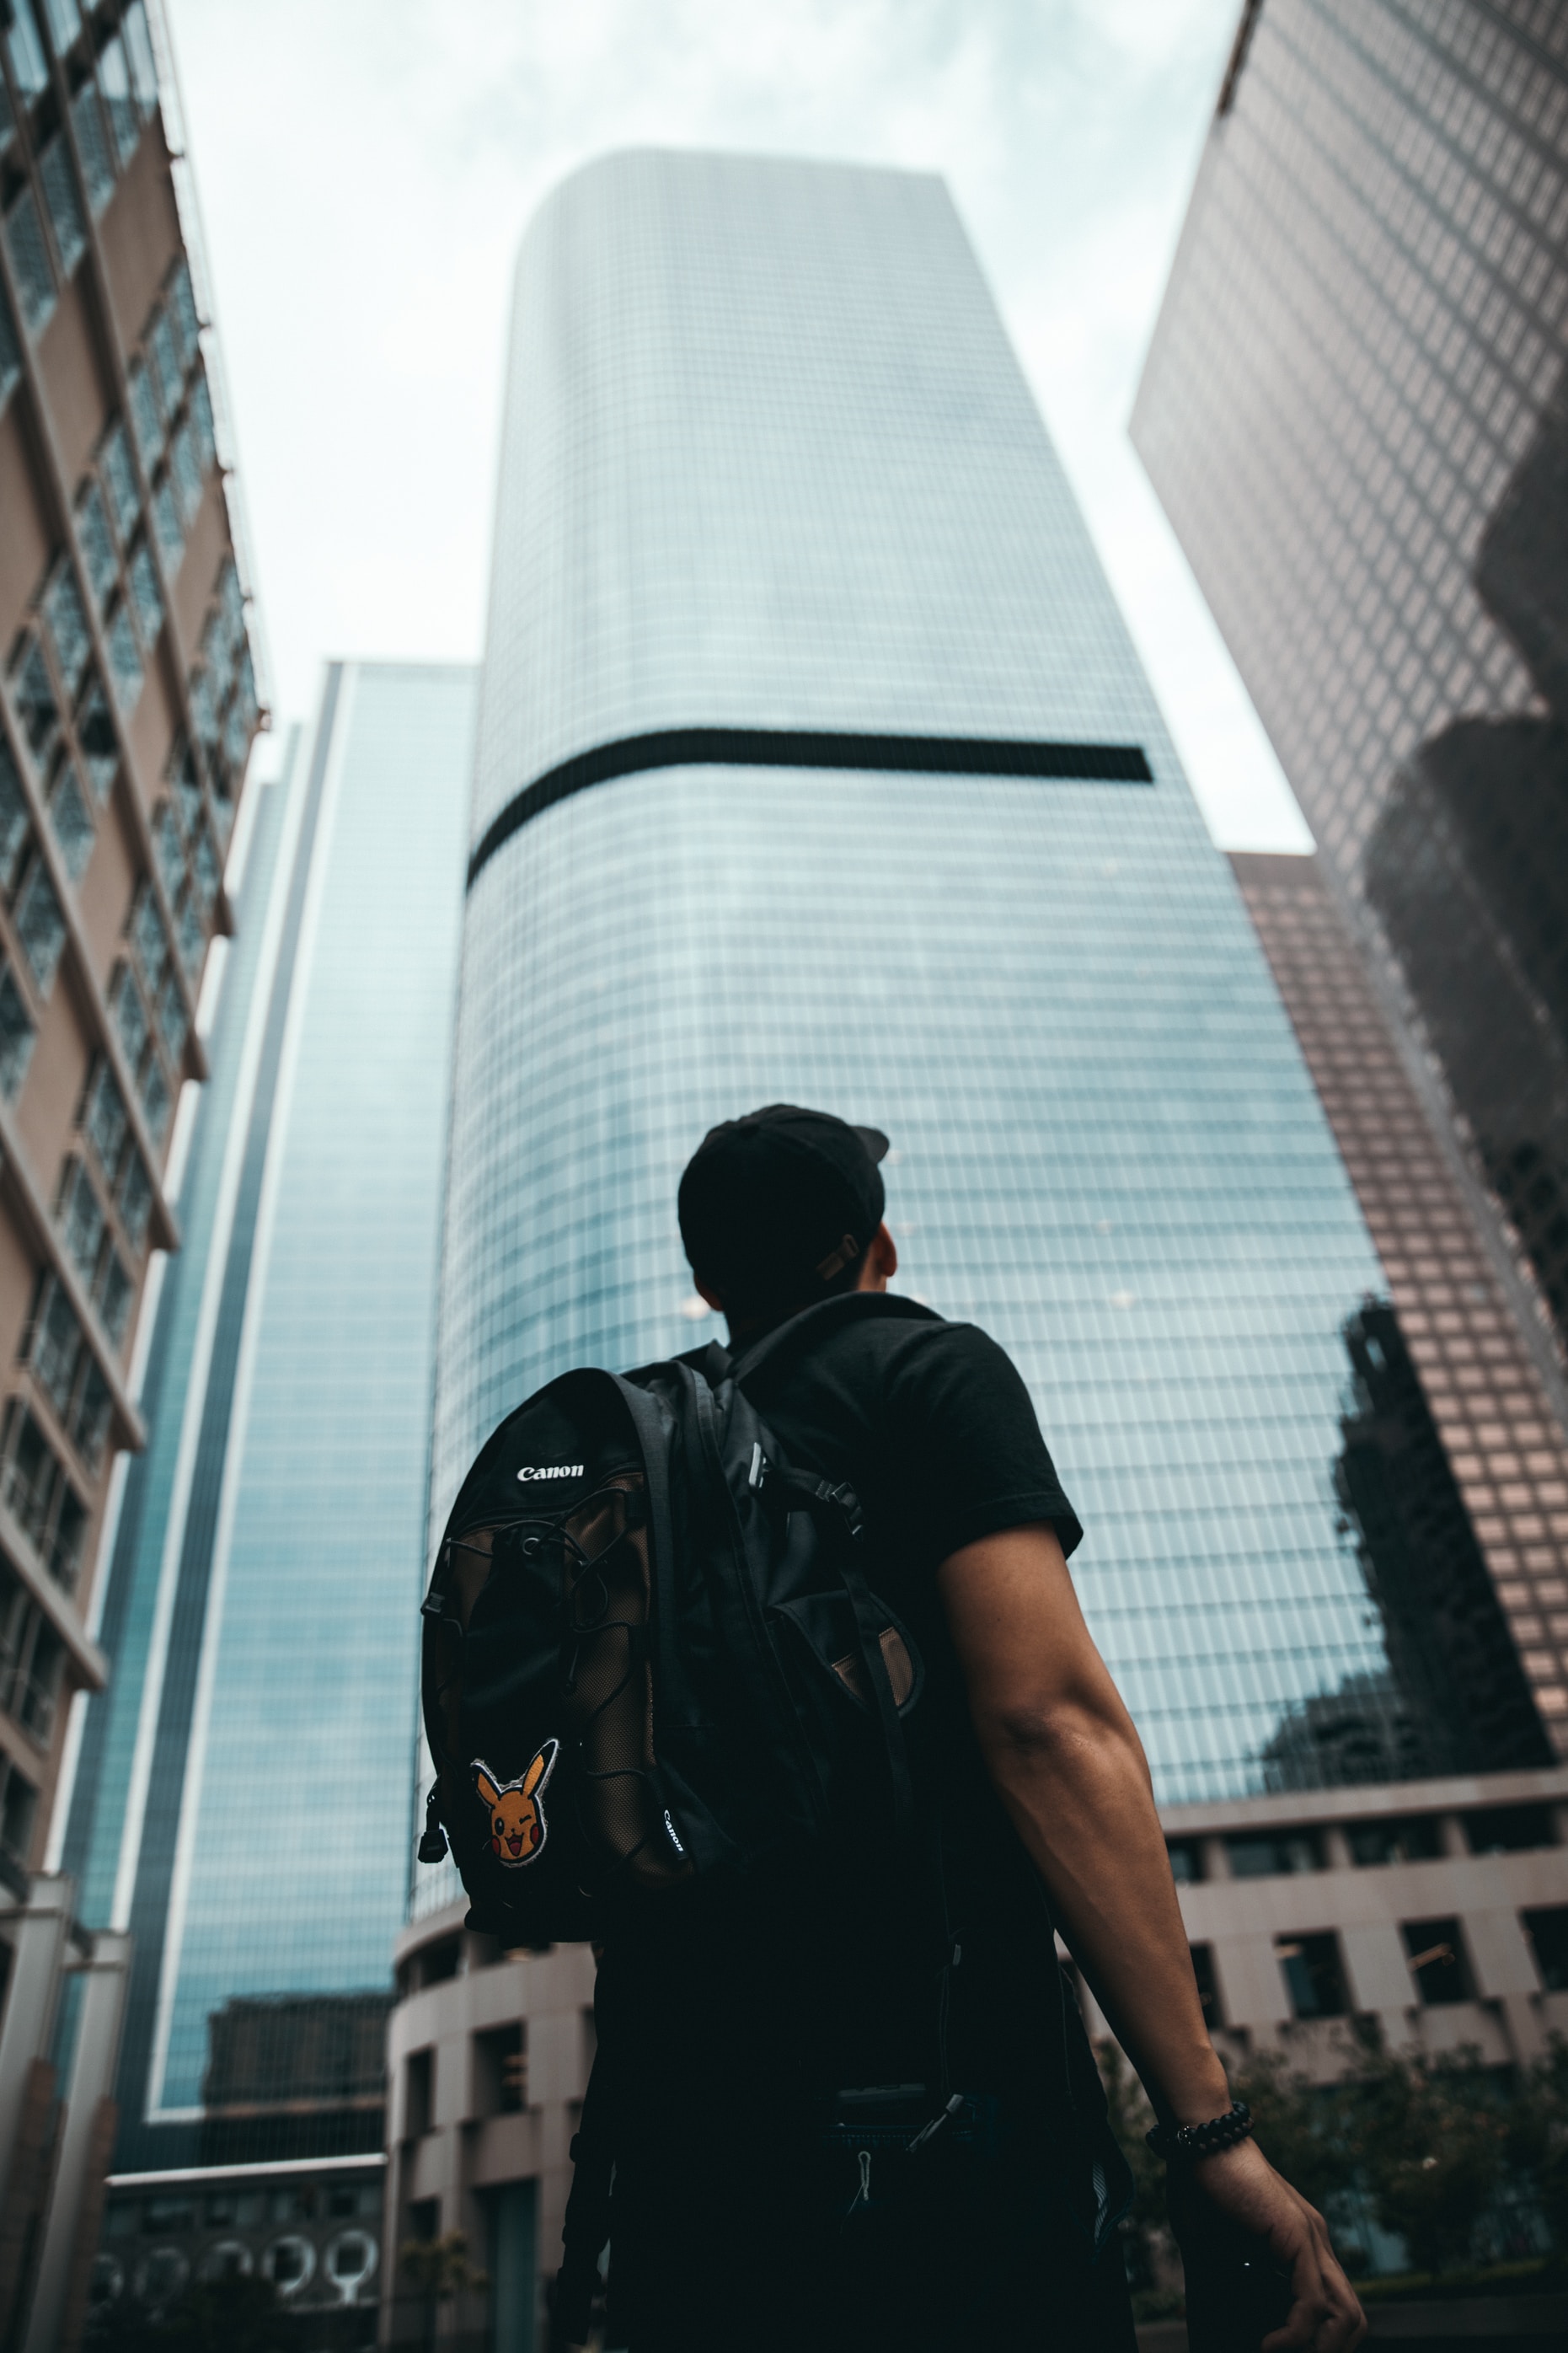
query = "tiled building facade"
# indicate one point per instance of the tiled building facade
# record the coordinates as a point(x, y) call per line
point(129, 707)
point(128, 699)
point(1494, 1415)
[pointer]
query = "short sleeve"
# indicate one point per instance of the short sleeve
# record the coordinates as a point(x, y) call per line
point(963, 1444)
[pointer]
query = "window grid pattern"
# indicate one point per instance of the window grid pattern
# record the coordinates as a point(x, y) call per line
point(1495, 1420)
point(1108, 1152)
point(1381, 222)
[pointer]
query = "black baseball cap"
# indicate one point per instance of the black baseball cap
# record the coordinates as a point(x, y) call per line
point(774, 1205)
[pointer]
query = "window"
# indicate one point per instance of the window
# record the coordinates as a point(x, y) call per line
point(96, 741)
point(1418, 1839)
point(1546, 1934)
point(146, 596)
point(64, 205)
point(40, 925)
point(1208, 1984)
point(1436, 1952)
point(166, 362)
point(202, 424)
point(114, 76)
point(56, 1354)
point(16, 1034)
point(172, 1023)
point(39, 1496)
point(131, 1020)
point(1510, 1830)
point(135, 1198)
point(67, 628)
point(30, 261)
point(19, 1811)
point(148, 938)
point(167, 524)
point(124, 658)
point(26, 50)
point(65, 22)
point(155, 1101)
point(83, 1226)
point(10, 353)
point(89, 1424)
point(202, 710)
point(187, 475)
point(71, 822)
point(96, 541)
point(139, 44)
point(168, 848)
point(500, 2071)
point(418, 2070)
point(183, 311)
point(12, 818)
point(119, 478)
point(1265, 1857)
point(192, 941)
point(1186, 1861)
point(145, 422)
point(92, 146)
point(1314, 1976)
point(106, 1124)
point(113, 1296)
point(35, 705)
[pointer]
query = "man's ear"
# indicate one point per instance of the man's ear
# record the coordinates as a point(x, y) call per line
point(880, 1263)
point(706, 1291)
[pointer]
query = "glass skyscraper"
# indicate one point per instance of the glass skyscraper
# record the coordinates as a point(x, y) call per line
point(1355, 412)
point(241, 1797)
point(815, 762)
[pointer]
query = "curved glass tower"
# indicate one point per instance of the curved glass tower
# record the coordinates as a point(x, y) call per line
point(815, 762)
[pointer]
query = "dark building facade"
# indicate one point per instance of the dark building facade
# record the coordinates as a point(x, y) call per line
point(1353, 412)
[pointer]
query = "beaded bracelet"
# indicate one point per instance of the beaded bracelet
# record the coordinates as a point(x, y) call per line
point(1192, 2141)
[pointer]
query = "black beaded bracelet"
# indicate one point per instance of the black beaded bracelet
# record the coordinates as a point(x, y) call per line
point(1192, 2141)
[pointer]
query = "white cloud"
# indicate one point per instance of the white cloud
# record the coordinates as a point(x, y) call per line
point(367, 166)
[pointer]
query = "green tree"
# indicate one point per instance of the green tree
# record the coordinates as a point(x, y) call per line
point(438, 2272)
point(1537, 2143)
point(1145, 2232)
point(1433, 2145)
point(224, 2315)
point(1306, 2130)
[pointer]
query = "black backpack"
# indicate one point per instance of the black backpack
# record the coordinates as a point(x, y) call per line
point(651, 1655)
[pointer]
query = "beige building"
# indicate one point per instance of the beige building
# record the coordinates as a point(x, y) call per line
point(129, 704)
point(1436, 1910)
point(488, 2059)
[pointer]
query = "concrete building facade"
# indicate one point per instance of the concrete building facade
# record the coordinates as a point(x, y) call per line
point(128, 698)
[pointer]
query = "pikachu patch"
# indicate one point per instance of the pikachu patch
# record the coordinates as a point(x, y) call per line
point(518, 1826)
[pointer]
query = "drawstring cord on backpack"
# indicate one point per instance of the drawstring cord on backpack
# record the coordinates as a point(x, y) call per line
point(587, 2224)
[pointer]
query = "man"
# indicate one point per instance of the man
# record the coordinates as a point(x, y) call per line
point(731, 2224)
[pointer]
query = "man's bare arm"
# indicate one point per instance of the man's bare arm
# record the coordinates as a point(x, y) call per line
point(1070, 1768)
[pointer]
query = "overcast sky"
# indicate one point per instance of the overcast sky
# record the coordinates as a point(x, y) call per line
point(366, 168)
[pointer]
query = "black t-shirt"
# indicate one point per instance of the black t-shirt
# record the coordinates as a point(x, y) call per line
point(929, 1422)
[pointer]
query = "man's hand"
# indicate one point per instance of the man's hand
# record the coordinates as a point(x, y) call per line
point(1070, 1768)
point(1240, 2185)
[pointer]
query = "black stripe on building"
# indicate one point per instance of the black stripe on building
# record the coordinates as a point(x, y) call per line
point(809, 747)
